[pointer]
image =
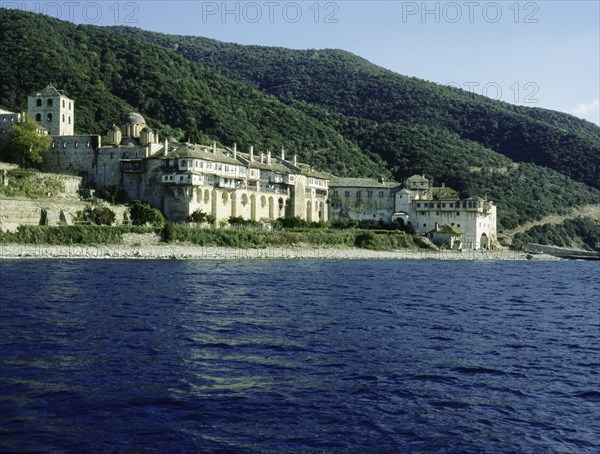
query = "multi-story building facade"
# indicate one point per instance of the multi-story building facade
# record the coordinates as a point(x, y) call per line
point(437, 212)
point(179, 178)
point(52, 110)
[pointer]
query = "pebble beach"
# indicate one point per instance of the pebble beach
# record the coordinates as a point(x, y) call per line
point(193, 252)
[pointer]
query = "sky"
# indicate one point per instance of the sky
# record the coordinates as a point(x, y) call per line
point(533, 53)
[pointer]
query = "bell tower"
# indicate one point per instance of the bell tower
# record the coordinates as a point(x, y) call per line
point(52, 110)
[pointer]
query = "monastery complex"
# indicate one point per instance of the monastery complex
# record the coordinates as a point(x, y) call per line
point(180, 178)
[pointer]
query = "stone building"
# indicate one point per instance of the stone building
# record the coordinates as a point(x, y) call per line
point(179, 178)
point(7, 119)
point(428, 208)
point(52, 110)
point(361, 199)
point(437, 212)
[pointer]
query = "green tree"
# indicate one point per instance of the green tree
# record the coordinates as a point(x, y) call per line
point(102, 216)
point(143, 214)
point(25, 145)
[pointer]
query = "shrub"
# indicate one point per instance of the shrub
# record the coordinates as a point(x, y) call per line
point(144, 214)
point(169, 232)
point(368, 240)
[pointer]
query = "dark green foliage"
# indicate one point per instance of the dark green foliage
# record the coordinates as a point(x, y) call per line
point(65, 235)
point(109, 73)
point(99, 215)
point(368, 240)
point(579, 232)
point(240, 221)
point(144, 214)
point(24, 144)
point(169, 232)
point(344, 83)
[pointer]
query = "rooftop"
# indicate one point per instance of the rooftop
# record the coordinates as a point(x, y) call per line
point(361, 183)
point(50, 90)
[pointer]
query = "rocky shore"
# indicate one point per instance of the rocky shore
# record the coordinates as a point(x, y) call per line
point(192, 252)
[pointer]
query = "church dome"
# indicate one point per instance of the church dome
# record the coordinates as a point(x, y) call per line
point(147, 129)
point(115, 128)
point(133, 118)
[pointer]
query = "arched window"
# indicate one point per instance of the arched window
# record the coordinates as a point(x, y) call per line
point(49, 103)
point(63, 118)
point(69, 120)
point(63, 103)
point(38, 102)
point(38, 117)
point(49, 117)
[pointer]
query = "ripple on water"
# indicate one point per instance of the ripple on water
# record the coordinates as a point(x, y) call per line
point(299, 356)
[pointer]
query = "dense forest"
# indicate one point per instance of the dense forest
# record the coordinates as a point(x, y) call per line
point(344, 83)
point(335, 110)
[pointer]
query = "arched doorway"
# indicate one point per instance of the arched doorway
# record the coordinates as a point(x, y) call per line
point(484, 241)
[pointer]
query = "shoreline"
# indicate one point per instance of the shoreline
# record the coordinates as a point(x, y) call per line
point(193, 252)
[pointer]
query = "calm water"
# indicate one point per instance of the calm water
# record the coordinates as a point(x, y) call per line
point(300, 355)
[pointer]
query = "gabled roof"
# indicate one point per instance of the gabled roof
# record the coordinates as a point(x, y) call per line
point(50, 90)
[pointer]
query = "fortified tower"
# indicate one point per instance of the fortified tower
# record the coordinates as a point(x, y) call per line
point(52, 110)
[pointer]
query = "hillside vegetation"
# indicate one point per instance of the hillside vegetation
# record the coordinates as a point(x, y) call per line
point(335, 110)
point(108, 74)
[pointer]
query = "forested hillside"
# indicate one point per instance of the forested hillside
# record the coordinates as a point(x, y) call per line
point(337, 111)
point(350, 85)
point(108, 74)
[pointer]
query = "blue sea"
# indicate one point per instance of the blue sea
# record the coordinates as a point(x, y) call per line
point(313, 355)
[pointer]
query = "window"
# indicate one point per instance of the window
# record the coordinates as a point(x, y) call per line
point(76, 144)
point(63, 103)
point(69, 119)
point(69, 106)
point(181, 178)
point(369, 194)
point(358, 193)
point(451, 205)
point(38, 102)
point(347, 193)
point(443, 205)
point(418, 205)
point(49, 103)
point(424, 225)
point(49, 117)
point(38, 117)
point(381, 194)
point(457, 213)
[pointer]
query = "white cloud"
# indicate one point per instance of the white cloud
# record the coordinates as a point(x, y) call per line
point(589, 111)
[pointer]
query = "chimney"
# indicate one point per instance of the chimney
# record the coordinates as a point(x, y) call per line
point(234, 151)
point(214, 148)
point(268, 157)
point(282, 153)
point(381, 179)
point(437, 227)
point(251, 153)
point(262, 157)
point(295, 160)
point(166, 148)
